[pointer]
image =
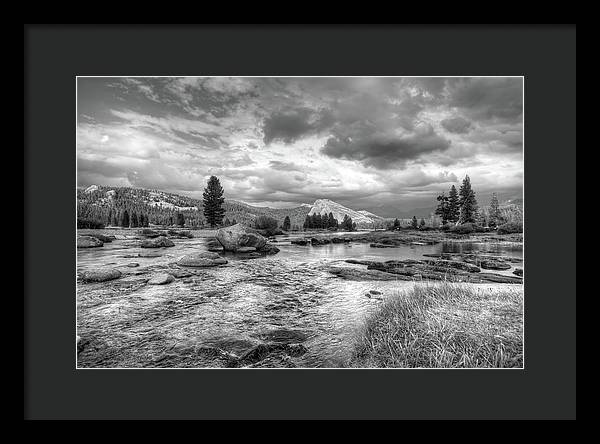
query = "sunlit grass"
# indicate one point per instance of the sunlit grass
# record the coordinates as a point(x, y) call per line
point(444, 325)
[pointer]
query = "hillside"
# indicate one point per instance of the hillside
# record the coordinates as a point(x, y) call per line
point(107, 203)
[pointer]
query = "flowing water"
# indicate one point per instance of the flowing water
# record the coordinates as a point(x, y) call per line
point(234, 306)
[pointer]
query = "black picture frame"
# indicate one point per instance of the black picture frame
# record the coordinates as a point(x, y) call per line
point(53, 57)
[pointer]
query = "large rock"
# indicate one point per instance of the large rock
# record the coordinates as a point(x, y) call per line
point(101, 275)
point(161, 279)
point(490, 264)
point(158, 242)
point(203, 259)
point(103, 237)
point(88, 242)
point(236, 236)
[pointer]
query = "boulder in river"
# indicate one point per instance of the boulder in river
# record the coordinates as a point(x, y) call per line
point(270, 249)
point(202, 259)
point(161, 279)
point(88, 242)
point(101, 275)
point(237, 236)
point(491, 264)
point(299, 242)
point(104, 237)
point(518, 272)
point(158, 242)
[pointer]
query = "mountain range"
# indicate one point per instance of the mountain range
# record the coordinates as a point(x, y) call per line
point(99, 202)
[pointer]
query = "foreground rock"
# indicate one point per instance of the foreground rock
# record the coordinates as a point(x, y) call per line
point(518, 272)
point(88, 242)
point(101, 275)
point(161, 279)
point(238, 236)
point(158, 242)
point(202, 259)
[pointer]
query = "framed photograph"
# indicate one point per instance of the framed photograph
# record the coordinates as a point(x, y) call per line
point(346, 228)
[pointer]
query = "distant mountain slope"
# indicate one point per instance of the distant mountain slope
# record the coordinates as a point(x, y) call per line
point(370, 215)
point(104, 203)
point(326, 206)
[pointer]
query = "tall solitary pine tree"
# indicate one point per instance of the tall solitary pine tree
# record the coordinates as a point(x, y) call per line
point(213, 202)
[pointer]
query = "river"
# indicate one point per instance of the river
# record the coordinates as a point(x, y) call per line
point(234, 306)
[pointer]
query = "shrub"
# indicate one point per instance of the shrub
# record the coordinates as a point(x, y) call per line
point(266, 223)
point(510, 227)
point(466, 228)
point(89, 223)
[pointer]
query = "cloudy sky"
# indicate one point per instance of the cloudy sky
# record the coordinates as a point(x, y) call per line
point(386, 145)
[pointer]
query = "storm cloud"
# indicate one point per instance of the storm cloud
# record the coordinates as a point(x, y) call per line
point(374, 143)
point(384, 151)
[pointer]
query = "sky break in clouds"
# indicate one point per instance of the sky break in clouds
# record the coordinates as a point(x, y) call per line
point(386, 145)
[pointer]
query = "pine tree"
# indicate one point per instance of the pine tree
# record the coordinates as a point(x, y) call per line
point(180, 219)
point(414, 223)
point(443, 208)
point(331, 222)
point(134, 219)
point(396, 224)
point(213, 202)
point(453, 205)
point(125, 219)
point(467, 202)
point(286, 223)
point(422, 223)
point(495, 216)
point(307, 222)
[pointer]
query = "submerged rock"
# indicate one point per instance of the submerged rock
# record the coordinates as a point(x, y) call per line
point(149, 254)
point(88, 242)
point(299, 241)
point(133, 265)
point(161, 279)
point(379, 245)
point(158, 242)
point(245, 249)
point(101, 275)
point(271, 352)
point(237, 236)
point(202, 259)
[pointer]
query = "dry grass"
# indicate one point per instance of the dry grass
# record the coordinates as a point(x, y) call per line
point(444, 325)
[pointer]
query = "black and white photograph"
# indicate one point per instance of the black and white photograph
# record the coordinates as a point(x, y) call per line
point(299, 222)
